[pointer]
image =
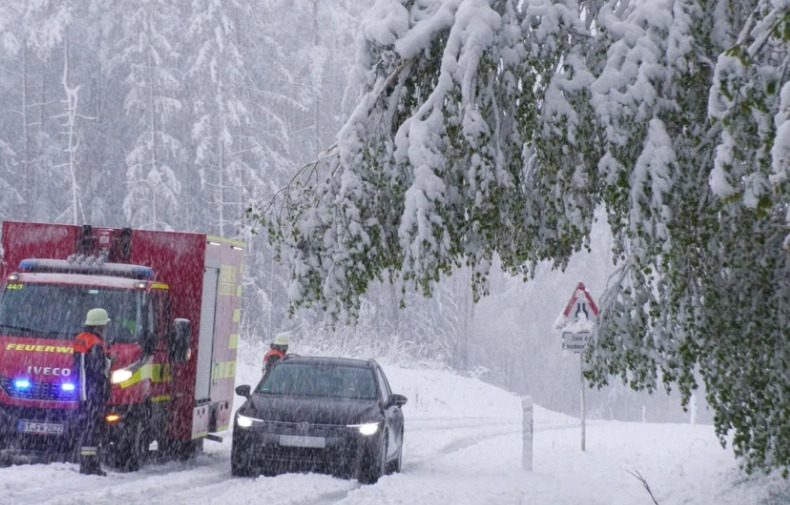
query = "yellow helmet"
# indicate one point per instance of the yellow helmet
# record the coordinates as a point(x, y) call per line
point(282, 338)
point(96, 317)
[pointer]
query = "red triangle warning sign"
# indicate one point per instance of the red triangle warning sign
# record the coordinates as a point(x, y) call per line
point(582, 301)
point(580, 308)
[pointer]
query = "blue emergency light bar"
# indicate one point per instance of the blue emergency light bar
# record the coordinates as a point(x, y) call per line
point(87, 265)
point(67, 386)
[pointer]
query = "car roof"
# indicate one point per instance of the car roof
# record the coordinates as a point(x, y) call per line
point(328, 360)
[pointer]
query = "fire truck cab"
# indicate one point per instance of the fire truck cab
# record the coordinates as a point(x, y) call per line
point(174, 303)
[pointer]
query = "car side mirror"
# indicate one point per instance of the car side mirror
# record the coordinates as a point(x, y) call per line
point(182, 338)
point(244, 390)
point(397, 400)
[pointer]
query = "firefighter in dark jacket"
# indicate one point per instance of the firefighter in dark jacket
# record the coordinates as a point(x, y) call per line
point(278, 348)
point(93, 369)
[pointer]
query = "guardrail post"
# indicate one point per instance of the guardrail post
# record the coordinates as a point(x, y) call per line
point(527, 428)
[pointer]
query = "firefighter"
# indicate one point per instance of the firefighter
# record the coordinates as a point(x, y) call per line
point(278, 349)
point(93, 369)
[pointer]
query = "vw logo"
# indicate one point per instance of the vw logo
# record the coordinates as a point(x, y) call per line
point(302, 426)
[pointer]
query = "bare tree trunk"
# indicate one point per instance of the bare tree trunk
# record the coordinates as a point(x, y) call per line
point(151, 119)
point(221, 173)
point(27, 190)
point(70, 102)
point(466, 334)
point(394, 304)
point(316, 87)
point(220, 191)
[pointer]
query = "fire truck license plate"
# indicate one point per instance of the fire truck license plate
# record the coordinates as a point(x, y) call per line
point(42, 428)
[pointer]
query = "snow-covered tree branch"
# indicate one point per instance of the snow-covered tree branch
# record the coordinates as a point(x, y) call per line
point(495, 128)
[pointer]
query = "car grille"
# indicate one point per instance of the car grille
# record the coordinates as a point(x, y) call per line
point(38, 390)
point(304, 428)
point(338, 458)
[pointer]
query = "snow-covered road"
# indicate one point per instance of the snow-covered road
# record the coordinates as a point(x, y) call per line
point(463, 446)
point(431, 446)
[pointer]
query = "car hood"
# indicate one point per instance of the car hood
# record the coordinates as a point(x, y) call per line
point(310, 409)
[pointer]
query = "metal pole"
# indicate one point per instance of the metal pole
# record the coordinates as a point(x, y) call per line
point(581, 389)
point(526, 454)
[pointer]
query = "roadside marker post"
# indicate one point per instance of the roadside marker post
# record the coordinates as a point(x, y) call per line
point(528, 429)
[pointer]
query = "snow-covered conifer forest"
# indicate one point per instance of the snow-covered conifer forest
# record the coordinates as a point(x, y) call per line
point(169, 115)
point(450, 148)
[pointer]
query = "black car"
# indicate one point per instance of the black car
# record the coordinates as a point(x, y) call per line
point(319, 414)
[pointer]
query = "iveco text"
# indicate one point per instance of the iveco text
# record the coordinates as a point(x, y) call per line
point(46, 370)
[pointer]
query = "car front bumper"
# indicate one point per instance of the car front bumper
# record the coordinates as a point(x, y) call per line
point(275, 448)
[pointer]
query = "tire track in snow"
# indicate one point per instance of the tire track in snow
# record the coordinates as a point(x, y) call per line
point(494, 428)
point(327, 498)
point(172, 484)
point(452, 423)
point(153, 480)
point(460, 443)
point(206, 479)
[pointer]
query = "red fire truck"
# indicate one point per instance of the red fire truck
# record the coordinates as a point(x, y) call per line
point(174, 303)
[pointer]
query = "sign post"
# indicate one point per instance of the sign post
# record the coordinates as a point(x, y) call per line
point(583, 417)
point(576, 323)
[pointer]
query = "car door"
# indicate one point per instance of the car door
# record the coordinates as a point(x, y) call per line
point(392, 414)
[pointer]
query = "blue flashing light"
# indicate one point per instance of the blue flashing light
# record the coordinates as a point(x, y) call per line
point(67, 386)
point(22, 384)
point(144, 272)
point(86, 265)
point(28, 264)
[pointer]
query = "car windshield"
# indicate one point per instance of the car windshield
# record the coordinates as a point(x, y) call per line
point(58, 311)
point(319, 380)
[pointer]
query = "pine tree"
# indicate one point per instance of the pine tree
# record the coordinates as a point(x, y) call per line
point(35, 47)
point(221, 134)
point(145, 56)
point(13, 43)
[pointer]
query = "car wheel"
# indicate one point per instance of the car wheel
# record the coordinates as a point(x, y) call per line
point(394, 466)
point(239, 463)
point(374, 462)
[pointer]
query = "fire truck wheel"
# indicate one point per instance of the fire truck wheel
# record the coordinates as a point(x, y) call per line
point(131, 451)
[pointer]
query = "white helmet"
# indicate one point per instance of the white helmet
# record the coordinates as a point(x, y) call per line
point(96, 317)
point(282, 338)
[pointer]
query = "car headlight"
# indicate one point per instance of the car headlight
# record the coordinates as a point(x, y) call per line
point(121, 375)
point(366, 429)
point(246, 422)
